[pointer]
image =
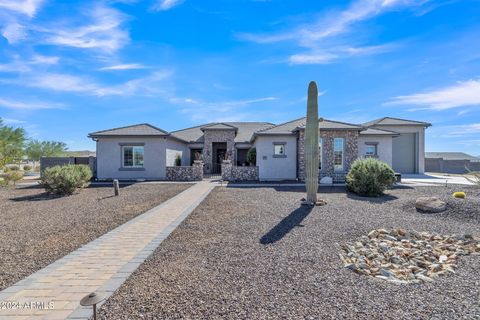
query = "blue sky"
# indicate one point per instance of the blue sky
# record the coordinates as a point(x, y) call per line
point(68, 68)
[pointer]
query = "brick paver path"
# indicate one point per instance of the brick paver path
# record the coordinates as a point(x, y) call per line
point(100, 266)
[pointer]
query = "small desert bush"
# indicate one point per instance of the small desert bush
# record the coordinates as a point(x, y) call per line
point(13, 168)
point(474, 177)
point(27, 167)
point(65, 180)
point(12, 177)
point(370, 177)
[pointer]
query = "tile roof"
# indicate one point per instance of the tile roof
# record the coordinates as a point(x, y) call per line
point(245, 130)
point(291, 126)
point(219, 126)
point(389, 121)
point(451, 156)
point(374, 131)
point(142, 129)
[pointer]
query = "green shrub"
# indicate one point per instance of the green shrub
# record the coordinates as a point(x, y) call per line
point(12, 176)
point(370, 177)
point(27, 167)
point(178, 160)
point(66, 179)
point(85, 174)
point(473, 177)
point(252, 156)
point(13, 168)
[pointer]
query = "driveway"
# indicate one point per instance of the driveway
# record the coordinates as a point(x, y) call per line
point(432, 179)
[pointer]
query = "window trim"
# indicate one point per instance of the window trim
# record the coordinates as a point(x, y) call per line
point(372, 144)
point(133, 167)
point(335, 169)
point(284, 155)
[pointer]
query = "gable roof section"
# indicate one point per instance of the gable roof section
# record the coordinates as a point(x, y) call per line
point(219, 126)
point(378, 132)
point(142, 129)
point(283, 128)
point(294, 125)
point(245, 130)
point(389, 121)
point(451, 156)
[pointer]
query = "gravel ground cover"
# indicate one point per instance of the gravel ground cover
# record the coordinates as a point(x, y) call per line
point(37, 229)
point(254, 253)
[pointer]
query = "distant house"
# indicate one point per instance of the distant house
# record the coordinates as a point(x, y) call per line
point(144, 151)
point(451, 162)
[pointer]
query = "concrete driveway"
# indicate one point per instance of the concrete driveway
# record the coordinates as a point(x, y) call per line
point(431, 179)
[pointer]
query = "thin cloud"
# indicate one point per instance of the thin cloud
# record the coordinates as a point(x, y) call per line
point(13, 121)
point(34, 105)
point(199, 110)
point(164, 5)
point(14, 32)
point(323, 37)
point(22, 66)
point(457, 131)
point(60, 82)
point(339, 53)
point(129, 66)
point(26, 7)
point(333, 24)
point(105, 31)
point(462, 94)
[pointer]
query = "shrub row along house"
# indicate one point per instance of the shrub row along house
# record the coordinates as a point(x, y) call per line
point(144, 151)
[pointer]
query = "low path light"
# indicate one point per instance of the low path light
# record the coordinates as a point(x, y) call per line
point(91, 300)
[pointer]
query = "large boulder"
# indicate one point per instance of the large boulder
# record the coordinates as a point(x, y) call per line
point(430, 205)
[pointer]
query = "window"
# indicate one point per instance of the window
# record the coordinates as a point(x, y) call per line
point(320, 148)
point(371, 150)
point(279, 149)
point(132, 156)
point(338, 154)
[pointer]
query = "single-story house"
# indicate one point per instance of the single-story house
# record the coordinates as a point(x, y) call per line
point(144, 151)
point(451, 162)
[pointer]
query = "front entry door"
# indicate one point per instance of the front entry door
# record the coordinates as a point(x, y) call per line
point(217, 165)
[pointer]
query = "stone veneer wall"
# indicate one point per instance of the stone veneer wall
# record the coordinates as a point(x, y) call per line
point(186, 173)
point(237, 173)
point(215, 135)
point(350, 152)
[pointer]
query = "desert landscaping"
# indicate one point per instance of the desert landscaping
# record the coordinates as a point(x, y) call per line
point(39, 228)
point(256, 253)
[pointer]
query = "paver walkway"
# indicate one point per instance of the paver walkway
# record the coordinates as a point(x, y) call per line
point(100, 266)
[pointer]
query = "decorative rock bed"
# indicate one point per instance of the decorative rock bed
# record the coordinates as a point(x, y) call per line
point(402, 256)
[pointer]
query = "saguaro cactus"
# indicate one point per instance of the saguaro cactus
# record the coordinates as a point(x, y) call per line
point(311, 145)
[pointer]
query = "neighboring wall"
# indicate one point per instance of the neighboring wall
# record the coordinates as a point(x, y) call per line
point(450, 166)
point(276, 168)
point(47, 162)
point(384, 147)
point(420, 131)
point(109, 157)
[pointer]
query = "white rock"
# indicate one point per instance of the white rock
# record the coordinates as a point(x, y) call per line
point(326, 180)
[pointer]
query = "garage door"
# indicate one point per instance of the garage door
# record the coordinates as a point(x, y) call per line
point(403, 154)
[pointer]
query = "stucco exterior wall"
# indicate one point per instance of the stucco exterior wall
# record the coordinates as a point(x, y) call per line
point(420, 131)
point(179, 147)
point(109, 157)
point(384, 147)
point(273, 168)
